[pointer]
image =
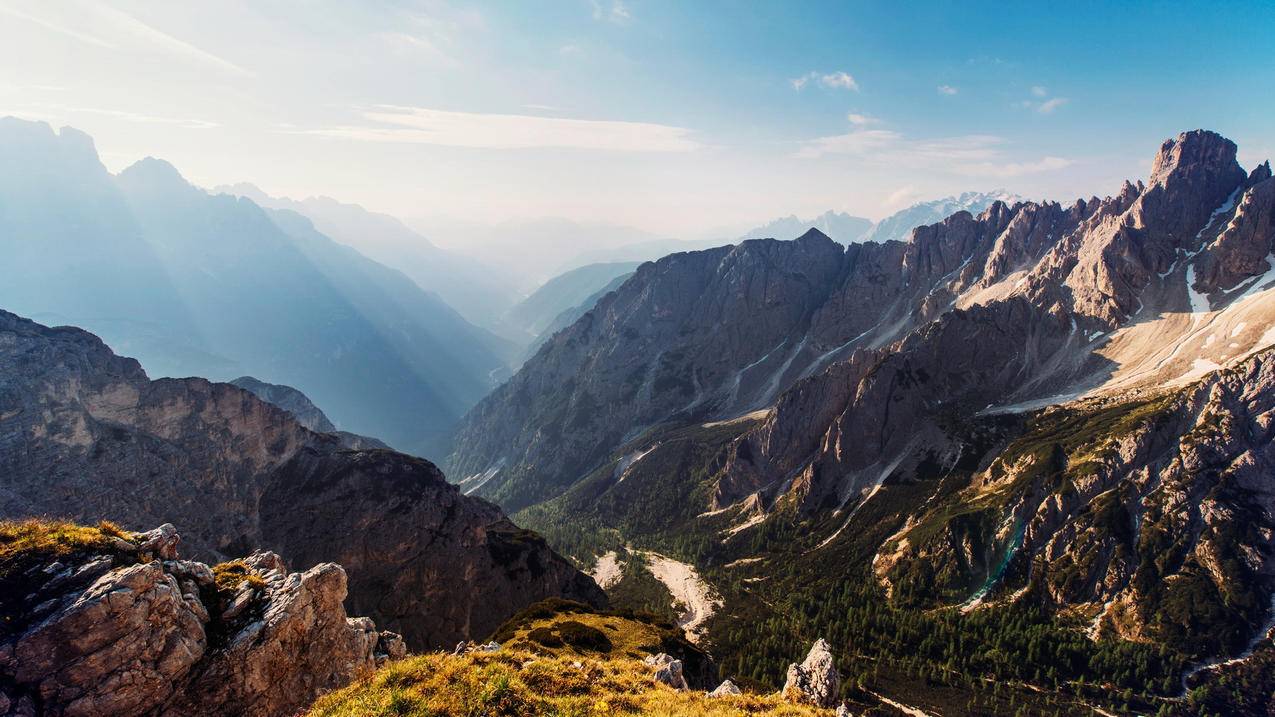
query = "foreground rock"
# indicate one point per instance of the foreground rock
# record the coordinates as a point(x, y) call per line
point(126, 628)
point(816, 680)
point(84, 433)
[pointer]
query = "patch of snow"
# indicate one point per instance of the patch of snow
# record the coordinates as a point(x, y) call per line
point(1199, 302)
point(1238, 328)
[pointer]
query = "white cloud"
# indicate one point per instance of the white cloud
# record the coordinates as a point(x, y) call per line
point(900, 196)
point(1048, 106)
point(62, 113)
point(1041, 105)
point(839, 80)
point(173, 45)
point(947, 90)
point(861, 120)
point(970, 155)
point(418, 125)
point(57, 27)
point(617, 12)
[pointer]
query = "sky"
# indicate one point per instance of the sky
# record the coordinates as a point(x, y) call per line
point(679, 118)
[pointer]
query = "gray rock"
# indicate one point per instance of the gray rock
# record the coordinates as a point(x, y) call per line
point(133, 643)
point(816, 680)
point(727, 688)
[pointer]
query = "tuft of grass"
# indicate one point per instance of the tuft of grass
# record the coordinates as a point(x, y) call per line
point(516, 683)
point(25, 542)
point(228, 576)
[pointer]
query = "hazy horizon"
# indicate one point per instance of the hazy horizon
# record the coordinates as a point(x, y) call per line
point(680, 122)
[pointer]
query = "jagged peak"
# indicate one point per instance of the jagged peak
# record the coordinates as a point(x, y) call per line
point(1192, 149)
point(1260, 173)
point(150, 173)
point(813, 234)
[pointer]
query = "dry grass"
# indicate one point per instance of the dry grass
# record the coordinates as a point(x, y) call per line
point(519, 683)
point(36, 539)
point(228, 576)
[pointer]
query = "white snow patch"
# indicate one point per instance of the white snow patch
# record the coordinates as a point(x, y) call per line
point(1238, 328)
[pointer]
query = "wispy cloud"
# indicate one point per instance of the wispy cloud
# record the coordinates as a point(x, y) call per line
point(57, 27)
point(62, 113)
point(418, 125)
point(1048, 106)
point(617, 11)
point(172, 45)
point(971, 155)
point(113, 28)
point(839, 80)
point(947, 90)
point(861, 120)
point(1040, 105)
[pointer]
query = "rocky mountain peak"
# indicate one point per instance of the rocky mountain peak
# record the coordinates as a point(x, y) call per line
point(814, 235)
point(1195, 151)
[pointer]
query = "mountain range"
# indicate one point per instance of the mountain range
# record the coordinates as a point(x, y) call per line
point(210, 285)
point(87, 435)
point(1041, 409)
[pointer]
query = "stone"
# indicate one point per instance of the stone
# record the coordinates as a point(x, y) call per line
point(160, 542)
point(133, 642)
point(727, 688)
point(668, 670)
point(816, 680)
point(843, 710)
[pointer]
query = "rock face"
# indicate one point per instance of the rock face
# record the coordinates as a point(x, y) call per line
point(290, 400)
point(816, 680)
point(303, 409)
point(85, 434)
point(134, 630)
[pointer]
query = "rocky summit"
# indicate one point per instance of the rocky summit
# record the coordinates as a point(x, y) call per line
point(85, 434)
point(118, 624)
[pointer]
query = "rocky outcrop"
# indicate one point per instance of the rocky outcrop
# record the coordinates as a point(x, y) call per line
point(300, 407)
point(85, 434)
point(130, 629)
point(726, 689)
point(290, 400)
point(816, 680)
point(668, 671)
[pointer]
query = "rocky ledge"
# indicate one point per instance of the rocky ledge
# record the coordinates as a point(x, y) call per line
point(113, 623)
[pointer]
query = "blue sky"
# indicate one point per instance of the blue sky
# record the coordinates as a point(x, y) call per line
point(683, 118)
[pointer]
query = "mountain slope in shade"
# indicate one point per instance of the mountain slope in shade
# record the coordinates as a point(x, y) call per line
point(300, 407)
point(899, 225)
point(536, 313)
point(85, 434)
point(839, 226)
point(195, 284)
point(477, 291)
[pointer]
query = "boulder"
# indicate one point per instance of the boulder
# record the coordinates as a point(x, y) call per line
point(725, 689)
point(668, 670)
point(816, 680)
point(109, 635)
